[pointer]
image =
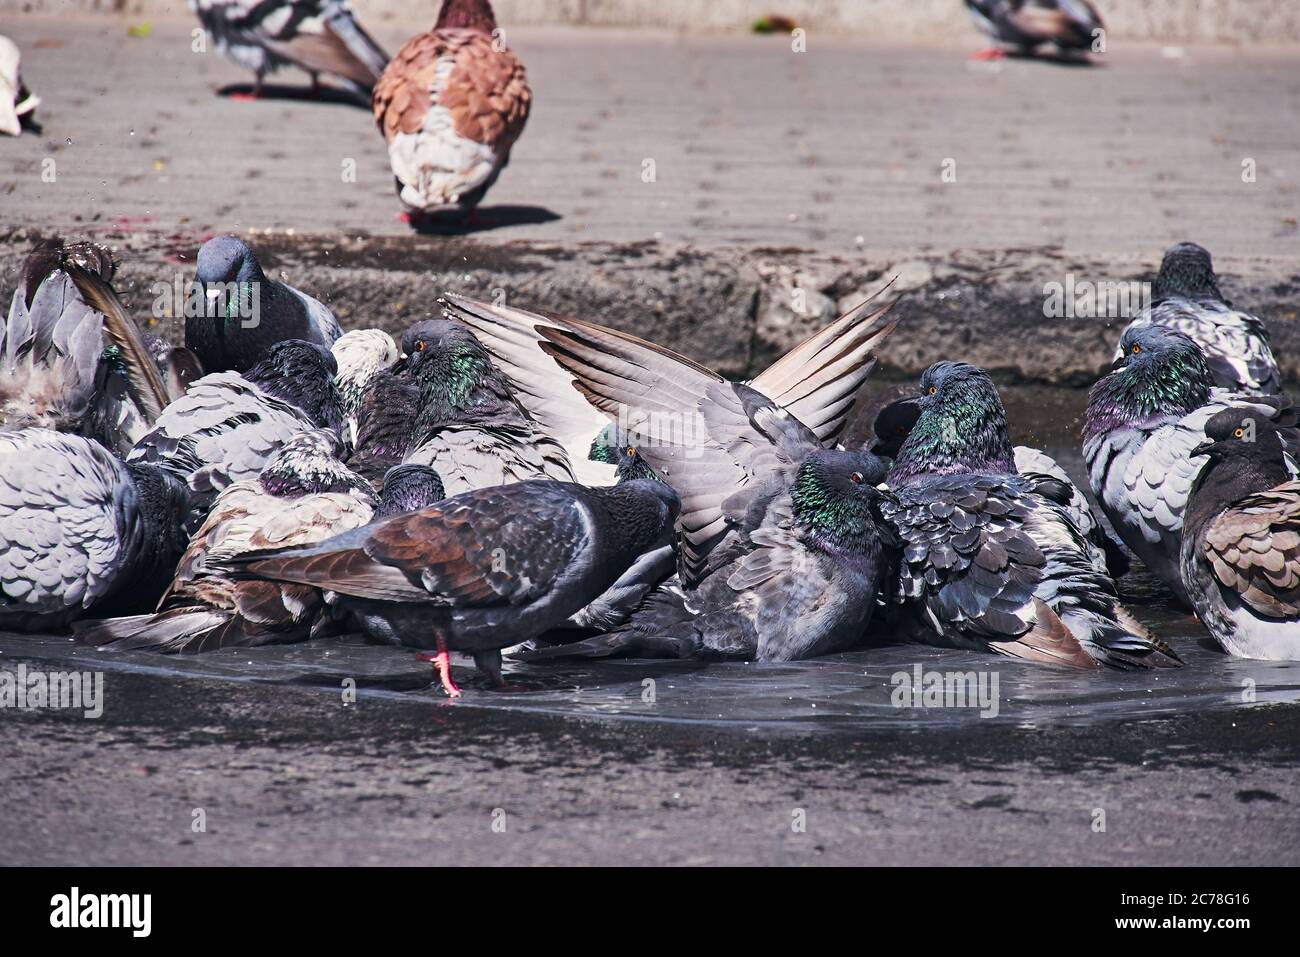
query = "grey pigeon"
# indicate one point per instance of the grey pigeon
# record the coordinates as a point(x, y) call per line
point(361, 355)
point(781, 557)
point(482, 570)
point(71, 358)
point(992, 560)
point(469, 425)
point(1142, 422)
point(80, 531)
point(1241, 539)
point(226, 427)
point(245, 312)
point(1069, 25)
point(1186, 298)
point(303, 495)
point(894, 422)
point(386, 417)
point(319, 36)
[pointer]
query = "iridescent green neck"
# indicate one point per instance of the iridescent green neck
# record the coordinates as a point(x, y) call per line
point(835, 521)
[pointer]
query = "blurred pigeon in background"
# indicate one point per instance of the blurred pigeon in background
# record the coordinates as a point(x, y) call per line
point(17, 103)
point(319, 36)
point(450, 105)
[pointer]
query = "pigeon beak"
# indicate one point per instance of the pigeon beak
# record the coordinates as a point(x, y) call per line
point(401, 363)
point(1205, 448)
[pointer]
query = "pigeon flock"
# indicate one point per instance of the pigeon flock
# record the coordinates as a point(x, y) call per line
point(502, 481)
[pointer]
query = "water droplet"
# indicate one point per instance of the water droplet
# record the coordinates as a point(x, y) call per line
point(69, 140)
point(133, 132)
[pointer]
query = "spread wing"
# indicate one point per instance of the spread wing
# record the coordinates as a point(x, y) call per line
point(490, 547)
point(710, 439)
point(1253, 549)
point(818, 381)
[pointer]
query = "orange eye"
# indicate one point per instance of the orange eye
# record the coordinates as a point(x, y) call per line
point(1238, 433)
point(1136, 349)
point(631, 452)
point(933, 390)
point(857, 478)
point(419, 346)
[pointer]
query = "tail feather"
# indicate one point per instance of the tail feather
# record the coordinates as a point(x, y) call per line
point(1124, 644)
point(168, 631)
point(1048, 642)
point(145, 383)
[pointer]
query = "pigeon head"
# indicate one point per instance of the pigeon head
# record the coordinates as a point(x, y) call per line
point(893, 424)
point(961, 427)
point(835, 498)
point(1159, 372)
point(451, 367)
point(225, 259)
point(1241, 433)
point(1188, 272)
point(409, 488)
point(302, 373)
point(308, 464)
point(473, 15)
point(165, 505)
point(612, 448)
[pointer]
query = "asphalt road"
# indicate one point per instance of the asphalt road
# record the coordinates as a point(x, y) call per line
point(751, 144)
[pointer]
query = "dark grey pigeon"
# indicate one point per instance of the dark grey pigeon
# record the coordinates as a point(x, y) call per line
point(386, 417)
point(319, 36)
point(81, 532)
point(1241, 539)
point(1186, 298)
point(992, 560)
point(246, 312)
point(469, 426)
point(1141, 424)
point(226, 427)
point(803, 574)
point(303, 495)
point(1068, 25)
point(409, 488)
point(482, 570)
point(894, 423)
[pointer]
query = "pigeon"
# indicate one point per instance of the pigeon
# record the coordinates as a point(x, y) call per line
point(1070, 25)
point(80, 531)
point(17, 103)
point(1240, 555)
point(226, 427)
point(482, 570)
point(450, 105)
point(992, 560)
point(469, 426)
point(1186, 298)
point(385, 417)
point(361, 355)
point(895, 420)
point(246, 312)
point(302, 496)
point(803, 572)
point(71, 358)
point(1142, 421)
point(738, 455)
point(409, 488)
point(319, 36)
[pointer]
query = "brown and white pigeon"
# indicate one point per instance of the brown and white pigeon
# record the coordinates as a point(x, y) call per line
point(319, 36)
point(451, 104)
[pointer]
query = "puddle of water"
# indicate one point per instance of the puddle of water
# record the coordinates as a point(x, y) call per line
point(848, 692)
